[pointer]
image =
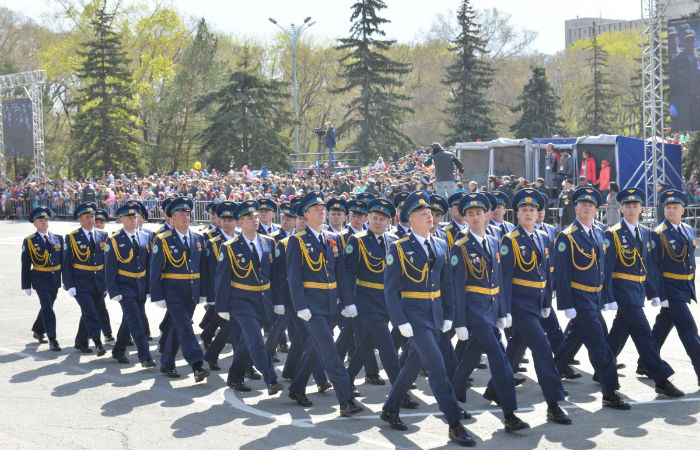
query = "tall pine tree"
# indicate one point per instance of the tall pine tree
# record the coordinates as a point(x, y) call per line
point(538, 104)
point(377, 110)
point(245, 128)
point(599, 99)
point(105, 125)
point(468, 78)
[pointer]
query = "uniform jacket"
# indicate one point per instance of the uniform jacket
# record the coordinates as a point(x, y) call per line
point(126, 269)
point(175, 276)
point(672, 262)
point(497, 231)
point(83, 269)
point(41, 266)
point(453, 233)
point(280, 284)
point(626, 265)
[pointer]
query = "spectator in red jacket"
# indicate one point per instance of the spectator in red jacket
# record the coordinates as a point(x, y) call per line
point(588, 168)
point(604, 179)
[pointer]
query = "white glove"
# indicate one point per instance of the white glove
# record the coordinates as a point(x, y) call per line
point(656, 301)
point(446, 326)
point(148, 296)
point(225, 315)
point(509, 320)
point(117, 298)
point(501, 323)
point(664, 304)
point(570, 313)
point(462, 333)
point(350, 310)
point(71, 292)
point(211, 303)
point(406, 330)
point(160, 304)
point(278, 309)
point(28, 291)
point(546, 312)
point(612, 306)
point(304, 314)
point(202, 299)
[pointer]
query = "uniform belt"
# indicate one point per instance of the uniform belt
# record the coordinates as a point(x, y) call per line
point(181, 276)
point(248, 287)
point(369, 284)
point(131, 274)
point(583, 287)
point(420, 295)
point(314, 285)
point(47, 269)
point(89, 268)
point(529, 283)
point(628, 277)
point(678, 276)
point(483, 290)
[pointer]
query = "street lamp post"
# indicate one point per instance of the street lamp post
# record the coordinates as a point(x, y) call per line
point(293, 34)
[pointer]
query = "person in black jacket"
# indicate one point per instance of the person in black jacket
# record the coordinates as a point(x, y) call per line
point(445, 162)
point(330, 142)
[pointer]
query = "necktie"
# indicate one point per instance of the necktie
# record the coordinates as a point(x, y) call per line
point(638, 238)
point(431, 253)
point(134, 243)
point(488, 231)
point(92, 242)
point(380, 238)
point(537, 246)
point(256, 255)
point(595, 247)
point(323, 244)
point(46, 241)
point(680, 230)
point(187, 246)
point(503, 229)
point(485, 245)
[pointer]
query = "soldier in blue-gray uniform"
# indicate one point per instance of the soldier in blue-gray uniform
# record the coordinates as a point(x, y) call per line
point(499, 213)
point(315, 287)
point(267, 210)
point(628, 245)
point(84, 275)
point(401, 229)
point(525, 264)
point(164, 325)
point(579, 278)
point(175, 283)
point(457, 226)
point(141, 219)
point(672, 265)
point(213, 219)
point(438, 207)
point(42, 255)
point(420, 299)
point(480, 307)
point(242, 288)
point(126, 277)
point(337, 212)
point(101, 219)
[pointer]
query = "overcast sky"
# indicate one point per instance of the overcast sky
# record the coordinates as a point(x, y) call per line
point(409, 18)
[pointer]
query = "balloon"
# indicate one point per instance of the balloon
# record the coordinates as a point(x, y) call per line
point(197, 165)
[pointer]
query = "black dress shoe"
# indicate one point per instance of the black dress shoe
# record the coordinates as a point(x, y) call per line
point(482, 364)
point(121, 359)
point(100, 350)
point(520, 380)
point(642, 371)
point(521, 369)
point(354, 390)
point(668, 389)
point(465, 414)
point(53, 346)
point(252, 374)
point(148, 363)
point(149, 337)
point(408, 402)
point(274, 358)
point(349, 408)
point(557, 415)
point(200, 374)
point(570, 374)
point(575, 362)
point(274, 388)
point(213, 365)
point(595, 378)
point(109, 338)
point(393, 420)
point(323, 387)
point(459, 435)
point(614, 401)
point(83, 348)
point(39, 337)
point(170, 373)
point(283, 348)
point(620, 365)
point(415, 386)
point(301, 399)
point(206, 343)
point(513, 423)
point(239, 387)
point(375, 379)
point(490, 395)
point(524, 361)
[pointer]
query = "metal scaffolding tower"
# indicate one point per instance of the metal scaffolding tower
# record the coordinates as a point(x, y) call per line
point(653, 96)
point(31, 85)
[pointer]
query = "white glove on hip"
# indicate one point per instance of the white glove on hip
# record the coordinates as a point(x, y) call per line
point(117, 298)
point(612, 306)
point(462, 333)
point(202, 299)
point(501, 323)
point(656, 301)
point(225, 315)
point(664, 304)
point(28, 291)
point(160, 303)
point(570, 313)
point(278, 309)
point(304, 314)
point(546, 312)
point(446, 326)
point(71, 292)
point(406, 330)
point(351, 310)
point(509, 320)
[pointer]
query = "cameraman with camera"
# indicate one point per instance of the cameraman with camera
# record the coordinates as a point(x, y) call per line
point(330, 143)
point(445, 163)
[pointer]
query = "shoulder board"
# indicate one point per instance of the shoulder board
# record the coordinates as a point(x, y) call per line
point(217, 238)
point(231, 241)
point(443, 224)
point(615, 227)
point(594, 225)
point(462, 240)
point(542, 232)
point(403, 239)
point(391, 234)
point(661, 228)
point(508, 223)
point(644, 227)
point(361, 234)
point(274, 233)
point(447, 227)
point(285, 240)
point(265, 236)
point(74, 231)
point(343, 231)
point(113, 235)
point(570, 229)
point(300, 233)
point(31, 236)
point(164, 235)
point(513, 234)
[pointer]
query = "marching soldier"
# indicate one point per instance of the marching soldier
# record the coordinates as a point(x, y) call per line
point(287, 221)
point(419, 297)
point(164, 325)
point(402, 228)
point(126, 277)
point(101, 218)
point(315, 288)
point(672, 261)
point(480, 307)
point(242, 289)
point(579, 279)
point(213, 219)
point(175, 283)
point(42, 254)
point(628, 245)
point(337, 211)
point(210, 321)
point(141, 219)
point(525, 263)
point(499, 214)
point(438, 207)
point(457, 227)
point(266, 213)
